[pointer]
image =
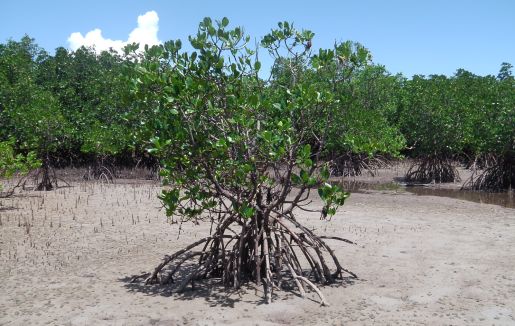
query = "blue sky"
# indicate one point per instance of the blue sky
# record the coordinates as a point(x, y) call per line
point(411, 37)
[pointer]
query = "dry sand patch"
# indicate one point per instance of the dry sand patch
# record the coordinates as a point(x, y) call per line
point(66, 256)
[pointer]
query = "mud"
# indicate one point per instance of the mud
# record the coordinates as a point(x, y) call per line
point(67, 256)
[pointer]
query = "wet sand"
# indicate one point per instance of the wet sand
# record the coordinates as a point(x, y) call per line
point(66, 258)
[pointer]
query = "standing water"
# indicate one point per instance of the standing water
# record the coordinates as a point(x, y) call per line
point(505, 199)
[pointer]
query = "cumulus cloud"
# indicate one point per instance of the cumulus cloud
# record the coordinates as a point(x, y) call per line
point(96, 39)
point(145, 33)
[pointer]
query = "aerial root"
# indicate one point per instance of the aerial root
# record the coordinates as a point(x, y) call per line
point(498, 175)
point(266, 254)
point(10, 191)
point(351, 164)
point(100, 172)
point(45, 178)
point(432, 169)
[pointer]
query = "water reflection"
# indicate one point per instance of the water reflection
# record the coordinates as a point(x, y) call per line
point(361, 187)
point(506, 199)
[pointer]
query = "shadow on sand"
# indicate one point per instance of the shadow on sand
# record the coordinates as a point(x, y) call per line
point(218, 295)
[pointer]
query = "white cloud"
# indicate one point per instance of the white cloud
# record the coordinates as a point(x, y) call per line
point(145, 33)
point(94, 38)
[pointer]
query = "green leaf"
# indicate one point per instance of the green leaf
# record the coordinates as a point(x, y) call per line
point(308, 163)
point(247, 211)
point(306, 151)
point(324, 173)
point(296, 179)
point(220, 63)
point(311, 182)
point(253, 100)
point(304, 175)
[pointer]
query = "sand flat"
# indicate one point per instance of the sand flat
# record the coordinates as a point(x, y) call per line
point(66, 257)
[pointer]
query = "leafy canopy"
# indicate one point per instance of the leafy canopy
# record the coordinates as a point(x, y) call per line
point(222, 139)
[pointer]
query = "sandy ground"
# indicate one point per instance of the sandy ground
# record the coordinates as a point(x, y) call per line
point(66, 257)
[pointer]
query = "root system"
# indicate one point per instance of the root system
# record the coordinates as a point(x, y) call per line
point(271, 252)
point(432, 169)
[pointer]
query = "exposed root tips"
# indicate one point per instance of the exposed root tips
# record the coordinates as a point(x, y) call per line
point(433, 169)
point(351, 165)
point(498, 175)
point(269, 252)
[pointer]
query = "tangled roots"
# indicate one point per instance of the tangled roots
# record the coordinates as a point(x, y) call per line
point(100, 172)
point(499, 175)
point(432, 169)
point(269, 251)
point(351, 165)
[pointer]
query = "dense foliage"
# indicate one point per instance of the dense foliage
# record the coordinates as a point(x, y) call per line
point(76, 108)
point(235, 157)
point(465, 117)
point(11, 164)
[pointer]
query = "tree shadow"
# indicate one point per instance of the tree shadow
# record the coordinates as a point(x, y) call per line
point(7, 208)
point(5, 196)
point(25, 194)
point(209, 290)
point(216, 294)
point(400, 179)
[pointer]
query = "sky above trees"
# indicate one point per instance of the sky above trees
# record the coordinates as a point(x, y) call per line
point(411, 37)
